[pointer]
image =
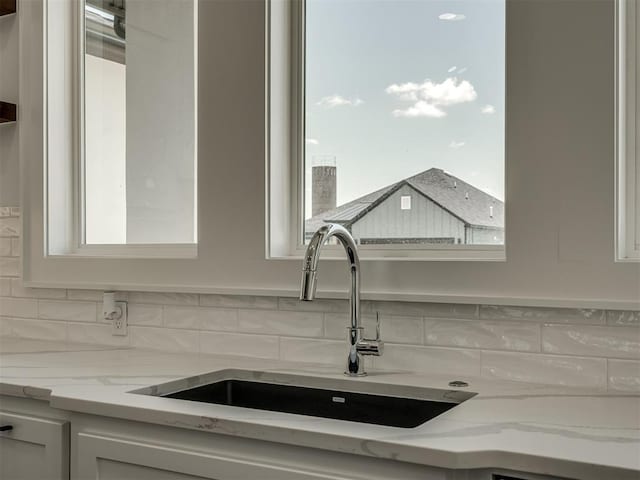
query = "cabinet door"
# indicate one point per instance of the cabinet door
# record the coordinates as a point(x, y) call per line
point(34, 448)
point(103, 457)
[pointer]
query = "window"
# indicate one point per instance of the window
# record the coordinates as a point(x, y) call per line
point(133, 168)
point(232, 175)
point(406, 98)
point(628, 132)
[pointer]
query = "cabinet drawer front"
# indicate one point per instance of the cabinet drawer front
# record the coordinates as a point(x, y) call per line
point(34, 448)
point(107, 458)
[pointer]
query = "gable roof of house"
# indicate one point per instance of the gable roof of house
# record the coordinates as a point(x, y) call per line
point(461, 199)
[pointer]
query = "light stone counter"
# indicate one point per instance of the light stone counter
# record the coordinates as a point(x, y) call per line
point(573, 433)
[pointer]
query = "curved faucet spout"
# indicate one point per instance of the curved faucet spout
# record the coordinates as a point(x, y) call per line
point(358, 345)
point(310, 266)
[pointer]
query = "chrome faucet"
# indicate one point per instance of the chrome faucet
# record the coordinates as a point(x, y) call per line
point(358, 345)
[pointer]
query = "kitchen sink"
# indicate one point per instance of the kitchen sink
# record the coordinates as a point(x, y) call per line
point(340, 399)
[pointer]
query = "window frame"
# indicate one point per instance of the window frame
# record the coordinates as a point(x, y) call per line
point(71, 210)
point(232, 262)
point(285, 118)
point(627, 141)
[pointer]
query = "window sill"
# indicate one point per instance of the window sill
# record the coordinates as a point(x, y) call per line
point(480, 253)
point(142, 251)
point(586, 303)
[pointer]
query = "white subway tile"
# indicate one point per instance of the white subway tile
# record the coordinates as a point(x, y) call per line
point(5, 247)
point(543, 314)
point(5, 287)
point(418, 309)
point(6, 325)
point(160, 298)
point(239, 301)
point(18, 290)
point(430, 359)
point(67, 310)
point(225, 343)
point(592, 341)
point(318, 305)
point(336, 324)
point(483, 334)
point(623, 318)
point(18, 307)
point(547, 369)
point(167, 339)
point(9, 267)
point(201, 318)
point(9, 227)
point(330, 352)
point(223, 319)
point(394, 329)
point(16, 247)
point(148, 315)
point(95, 334)
point(293, 324)
point(624, 375)
point(40, 329)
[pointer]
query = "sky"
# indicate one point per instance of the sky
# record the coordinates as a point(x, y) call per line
point(395, 87)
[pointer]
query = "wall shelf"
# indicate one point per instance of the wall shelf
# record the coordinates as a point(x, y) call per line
point(7, 7)
point(7, 111)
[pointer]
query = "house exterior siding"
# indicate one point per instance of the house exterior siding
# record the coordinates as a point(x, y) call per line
point(425, 219)
point(485, 236)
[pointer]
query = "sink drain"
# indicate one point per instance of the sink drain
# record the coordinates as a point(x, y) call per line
point(458, 384)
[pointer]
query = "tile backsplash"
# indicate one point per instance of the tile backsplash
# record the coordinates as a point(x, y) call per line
point(562, 346)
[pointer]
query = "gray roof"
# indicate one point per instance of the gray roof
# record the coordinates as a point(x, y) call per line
point(447, 191)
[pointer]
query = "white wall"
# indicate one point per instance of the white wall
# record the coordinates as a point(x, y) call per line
point(105, 151)
point(160, 121)
point(559, 174)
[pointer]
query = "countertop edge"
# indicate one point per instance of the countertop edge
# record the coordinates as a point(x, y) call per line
point(481, 459)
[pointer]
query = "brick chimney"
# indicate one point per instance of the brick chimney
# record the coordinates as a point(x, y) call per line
point(323, 184)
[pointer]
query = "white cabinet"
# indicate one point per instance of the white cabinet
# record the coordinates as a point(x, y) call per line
point(108, 458)
point(35, 448)
point(110, 449)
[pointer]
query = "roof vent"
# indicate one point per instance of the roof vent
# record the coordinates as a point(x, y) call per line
point(466, 196)
point(455, 184)
point(491, 212)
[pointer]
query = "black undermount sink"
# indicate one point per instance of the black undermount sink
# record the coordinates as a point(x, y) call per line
point(362, 405)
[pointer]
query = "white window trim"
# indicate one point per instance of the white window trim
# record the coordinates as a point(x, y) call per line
point(285, 154)
point(628, 158)
point(64, 112)
point(236, 265)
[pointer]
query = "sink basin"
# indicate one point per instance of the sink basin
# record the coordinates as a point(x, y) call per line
point(350, 400)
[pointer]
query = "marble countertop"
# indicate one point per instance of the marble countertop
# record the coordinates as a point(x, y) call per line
point(567, 432)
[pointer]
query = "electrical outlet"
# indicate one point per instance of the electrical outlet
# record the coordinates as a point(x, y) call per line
point(119, 322)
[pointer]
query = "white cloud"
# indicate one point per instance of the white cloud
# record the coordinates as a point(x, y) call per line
point(452, 17)
point(420, 109)
point(462, 70)
point(456, 145)
point(488, 109)
point(452, 69)
point(333, 101)
point(312, 141)
point(430, 97)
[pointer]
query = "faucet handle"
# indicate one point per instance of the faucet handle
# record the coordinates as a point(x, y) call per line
point(375, 346)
